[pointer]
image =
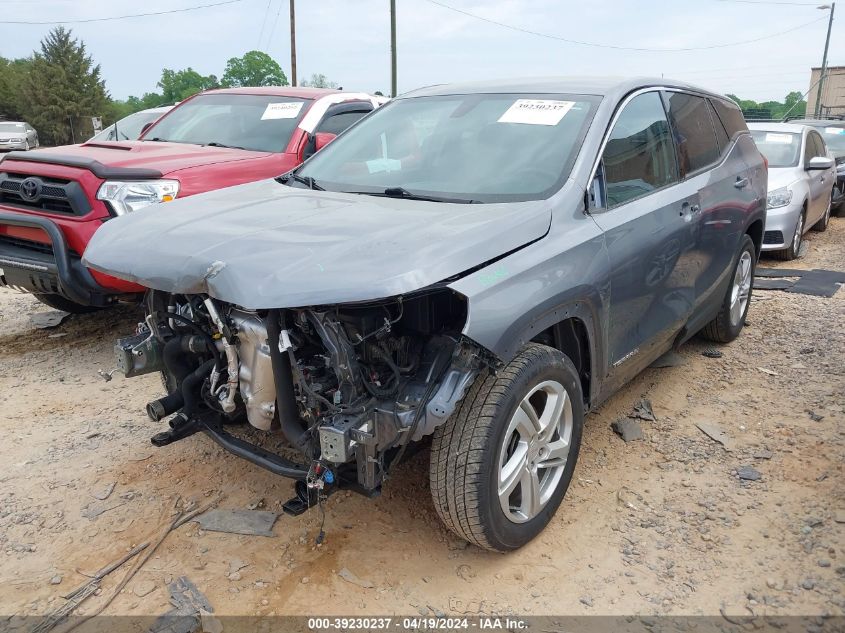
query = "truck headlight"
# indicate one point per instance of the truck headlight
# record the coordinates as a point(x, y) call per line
point(778, 198)
point(125, 196)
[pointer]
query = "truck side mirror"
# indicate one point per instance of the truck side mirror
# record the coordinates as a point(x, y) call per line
point(321, 139)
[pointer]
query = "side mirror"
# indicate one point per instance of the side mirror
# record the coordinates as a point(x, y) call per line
point(146, 127)
point(321, 139)
point(820, 162)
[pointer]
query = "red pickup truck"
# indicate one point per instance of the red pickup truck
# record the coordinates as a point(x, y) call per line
point(53, 200)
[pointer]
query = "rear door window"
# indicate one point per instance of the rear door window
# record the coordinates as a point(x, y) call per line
point(639, 157)
point(721, 134)
point(693, 132)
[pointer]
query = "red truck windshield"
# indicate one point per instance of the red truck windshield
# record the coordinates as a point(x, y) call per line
point(262, 123)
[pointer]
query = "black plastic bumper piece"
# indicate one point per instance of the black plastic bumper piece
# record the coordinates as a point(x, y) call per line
point(74, 280)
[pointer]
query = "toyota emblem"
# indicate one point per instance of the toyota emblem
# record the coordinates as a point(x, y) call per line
point(31, 189)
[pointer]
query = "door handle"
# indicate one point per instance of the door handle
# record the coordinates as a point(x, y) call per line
point(741, 182)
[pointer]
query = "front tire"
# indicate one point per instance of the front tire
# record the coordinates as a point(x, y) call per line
point(59, 302)
point(791, 252)
point(731, 318)
point(502, 463)
point(824, 221)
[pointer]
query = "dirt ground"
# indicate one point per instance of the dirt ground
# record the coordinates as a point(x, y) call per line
point(658, 526)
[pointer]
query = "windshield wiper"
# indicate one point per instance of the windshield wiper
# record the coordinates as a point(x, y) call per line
point(308, 181)
point(216, 144)
point(157, 139)
point(401, 192)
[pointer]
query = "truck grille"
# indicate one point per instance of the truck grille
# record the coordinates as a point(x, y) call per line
point(52, 195)
point(29, 245)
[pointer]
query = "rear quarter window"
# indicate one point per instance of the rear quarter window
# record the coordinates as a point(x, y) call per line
point(730, 116)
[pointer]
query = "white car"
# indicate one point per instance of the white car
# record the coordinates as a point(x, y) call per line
point(129, 128)
point(801, 179)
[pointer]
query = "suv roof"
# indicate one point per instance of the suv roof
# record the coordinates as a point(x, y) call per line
point(281, 91)
point(599, 86)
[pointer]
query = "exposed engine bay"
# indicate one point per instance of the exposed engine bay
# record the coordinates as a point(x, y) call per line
point(348, 386)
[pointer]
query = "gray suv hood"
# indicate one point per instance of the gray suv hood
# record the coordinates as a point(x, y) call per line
point(265, 245)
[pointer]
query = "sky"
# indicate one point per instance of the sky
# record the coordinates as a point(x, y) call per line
point(349, 40)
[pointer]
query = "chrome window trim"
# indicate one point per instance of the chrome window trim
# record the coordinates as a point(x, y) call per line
point(615, 118)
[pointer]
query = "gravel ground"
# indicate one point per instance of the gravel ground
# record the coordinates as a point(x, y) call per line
point(663, 525)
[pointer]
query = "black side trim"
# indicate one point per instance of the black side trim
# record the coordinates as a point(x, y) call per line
point(76, 282)
point(94, 166)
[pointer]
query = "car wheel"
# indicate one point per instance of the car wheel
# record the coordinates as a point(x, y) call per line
point(65, 305)
point(792, 251)
point(731, 318)
point(501, 464)
point(821, 225)
point(26, 147)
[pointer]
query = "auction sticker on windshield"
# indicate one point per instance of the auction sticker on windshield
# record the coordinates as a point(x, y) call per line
point(536, 111)
point(284, 110)
point(834, 130)
point(773, 137)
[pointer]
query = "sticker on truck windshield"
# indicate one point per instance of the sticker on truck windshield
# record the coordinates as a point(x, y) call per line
point(284, 110)
point(774, 137)
point(536, 111)
point(834, 130)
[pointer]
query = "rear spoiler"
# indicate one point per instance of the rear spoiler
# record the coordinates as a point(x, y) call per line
point(94, 166)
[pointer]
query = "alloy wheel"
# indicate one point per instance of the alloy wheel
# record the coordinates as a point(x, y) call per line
point(741, 290)
point(535, 451)
point(799, 233)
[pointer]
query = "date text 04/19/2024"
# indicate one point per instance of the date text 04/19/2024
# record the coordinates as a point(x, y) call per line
point(417, 623)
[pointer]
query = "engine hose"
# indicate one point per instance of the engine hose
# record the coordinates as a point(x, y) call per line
point(212, 347)
point(293, 426)
point(176, 364)
point(191, 388)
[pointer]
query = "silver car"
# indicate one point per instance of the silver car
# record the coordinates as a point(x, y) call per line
point(129, 128)
point(17, 135)
point(801, 180)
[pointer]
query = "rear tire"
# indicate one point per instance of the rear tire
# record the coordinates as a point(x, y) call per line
point(731, 318)
point(485, 484)
point(65, 305)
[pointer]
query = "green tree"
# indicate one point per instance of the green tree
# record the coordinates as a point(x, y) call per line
point(177, 85)
point(318, 80)
point(62, 89)
point(253, 69)
point(12, 74)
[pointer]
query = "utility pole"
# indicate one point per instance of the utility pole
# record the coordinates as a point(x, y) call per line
point(392, 48)
point(818, 110)
point(292, 44)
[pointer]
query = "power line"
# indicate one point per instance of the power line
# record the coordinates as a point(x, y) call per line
point(621, 48)
point(263, 24)
point(123, 17)
point(796, 4)
point(275, 22)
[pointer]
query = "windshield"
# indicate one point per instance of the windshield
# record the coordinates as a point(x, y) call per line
point(128, 128)
point(478, 147)
point(781, 149)
point(263, 123)
point(12, 127)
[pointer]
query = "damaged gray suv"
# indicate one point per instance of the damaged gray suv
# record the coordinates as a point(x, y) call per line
point(476, 265)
